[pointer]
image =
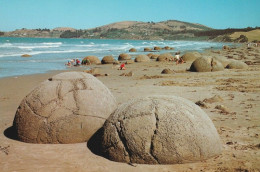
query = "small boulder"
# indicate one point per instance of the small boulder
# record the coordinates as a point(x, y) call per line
point(157, 48)
point(92, 59)
point(26, 55)
point(142, 58)
point(206, 64)
point(132, 50)
point(147, 49)
point(167, 71)
point(124, 56)
point(235, 64)
point(165, 57)
point(159, 130)
point(108, 60)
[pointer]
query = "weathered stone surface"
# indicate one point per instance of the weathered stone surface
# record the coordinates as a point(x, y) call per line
point(165, 57)
point(124, 56)
point(92, 59)
point(108, 60)
point(142, 58)
point(235, 64)
point(206, 64)
point(68, 108)
point(159, 130)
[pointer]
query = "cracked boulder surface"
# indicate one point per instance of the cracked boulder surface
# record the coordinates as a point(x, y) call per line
point(159, 130)
point(67, 108)
point(206, 64)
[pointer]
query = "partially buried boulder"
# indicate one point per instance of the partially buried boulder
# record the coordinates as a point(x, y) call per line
point(124, 56)
point(235, 64)
point(164, 57)
point(92, 60)
point(222, 60)
point(108, 60)
point(167, 71)
point(142, 58)
point(159, 130)
point(157, 48)
point(206, 64)
point(68, 108)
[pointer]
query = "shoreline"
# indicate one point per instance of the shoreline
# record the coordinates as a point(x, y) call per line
point(238, 126)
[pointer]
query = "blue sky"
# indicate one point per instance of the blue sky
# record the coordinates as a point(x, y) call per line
point(84, 14)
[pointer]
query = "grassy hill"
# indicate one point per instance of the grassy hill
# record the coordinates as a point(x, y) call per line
point(251, 35)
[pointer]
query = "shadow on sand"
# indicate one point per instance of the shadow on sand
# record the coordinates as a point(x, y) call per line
point(11, 133)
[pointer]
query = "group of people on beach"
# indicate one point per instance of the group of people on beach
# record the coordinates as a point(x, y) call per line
point(73, 62)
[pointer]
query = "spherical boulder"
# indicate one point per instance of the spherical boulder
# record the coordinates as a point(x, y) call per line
point(124, 56)
point(92, 59)
point(147, 49)
point(235, 64)
point(108, 60)
point(149, 55)
point(206, 64)
point(157, 48)
point(190, 56)
point(132, 50)
point(67, 108)
point(159, 130)
point(165, 57)
point(142, 58)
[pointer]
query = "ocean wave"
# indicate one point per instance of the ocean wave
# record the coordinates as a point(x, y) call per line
point(52, 43)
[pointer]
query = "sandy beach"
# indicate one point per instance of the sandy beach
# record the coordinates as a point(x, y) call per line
point(237, 123)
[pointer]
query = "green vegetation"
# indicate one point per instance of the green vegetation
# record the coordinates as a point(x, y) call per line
point(1, 33)
point(70, 34)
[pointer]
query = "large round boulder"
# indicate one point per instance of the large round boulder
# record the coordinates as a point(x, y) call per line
point(67, 108)
point(124, 56)
point(206, 64)
point(165, 57)
point(159, 130)
point(142, 58)
point(235, 64)
point(190, 56)
point(108, 60)
point(92, 59)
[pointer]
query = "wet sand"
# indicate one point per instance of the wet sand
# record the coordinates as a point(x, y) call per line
point(236, 115)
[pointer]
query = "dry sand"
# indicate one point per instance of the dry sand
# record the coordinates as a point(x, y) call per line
point(237, 116)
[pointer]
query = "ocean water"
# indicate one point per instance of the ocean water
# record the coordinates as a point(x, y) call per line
point(52, 53)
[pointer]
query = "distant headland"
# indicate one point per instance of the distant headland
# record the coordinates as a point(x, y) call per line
point(164, 30)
